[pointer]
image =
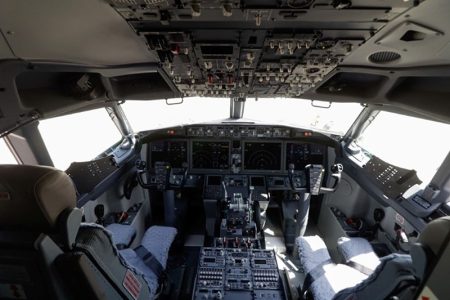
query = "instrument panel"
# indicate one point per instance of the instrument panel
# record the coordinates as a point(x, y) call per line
point(237, 148)
point(256, 155)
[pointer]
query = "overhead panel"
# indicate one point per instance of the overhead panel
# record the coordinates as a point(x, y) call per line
point(253, 48)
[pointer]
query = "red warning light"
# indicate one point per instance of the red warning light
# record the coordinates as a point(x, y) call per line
point(175, 49)
point(210, 79)
point(230, 79)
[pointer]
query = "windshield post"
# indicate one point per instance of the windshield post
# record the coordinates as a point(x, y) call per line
point(237, 105)
point(117, 115)
point(364, 119)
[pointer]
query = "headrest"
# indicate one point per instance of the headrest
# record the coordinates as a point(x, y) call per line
point(435, 234)
point(32, 197)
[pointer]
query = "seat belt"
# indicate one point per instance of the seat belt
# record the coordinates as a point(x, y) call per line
point(314, 274)
point(152, 262)
point(357, 266)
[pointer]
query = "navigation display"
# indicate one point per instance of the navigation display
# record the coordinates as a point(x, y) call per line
point(262, 156)
point(210, 155)
point(302, 154)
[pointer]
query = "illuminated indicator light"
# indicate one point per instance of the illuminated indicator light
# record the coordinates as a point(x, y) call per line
point(210, 79)
point(171, 132)
point(230, 79)
point(175, 49)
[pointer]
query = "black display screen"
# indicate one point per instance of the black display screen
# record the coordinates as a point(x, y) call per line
point(172, 152)
point(257, 181)
point(302, 154)
point(210, 155)
point(262, 156)
point(214, 180)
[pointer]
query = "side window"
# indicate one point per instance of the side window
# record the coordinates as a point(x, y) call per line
point(78, 137)
point(407, 142)
point(6, 156)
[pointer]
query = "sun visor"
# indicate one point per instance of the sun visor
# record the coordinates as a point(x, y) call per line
point(143, 86)
point(56, 93)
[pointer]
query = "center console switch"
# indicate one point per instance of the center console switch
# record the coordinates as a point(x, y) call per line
point(237, 242)
point(237, 218)
point(238, 274)
point(236, 184)
point(213, 188)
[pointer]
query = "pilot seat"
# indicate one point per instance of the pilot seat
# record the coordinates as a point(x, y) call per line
point(364, 276)
point(47, 253)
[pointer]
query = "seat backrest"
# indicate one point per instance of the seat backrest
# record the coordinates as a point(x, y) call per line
point(433, 239)
point(31, 202)
point(431, 256)
point(101, 271)
point(401, 275)
point(45, 254)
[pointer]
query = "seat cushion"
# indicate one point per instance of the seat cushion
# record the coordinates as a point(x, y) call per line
point(314, 254)
point(122, 235)
point(157, 240)
point(336, 278)
point(392, 270)
point(358, 251)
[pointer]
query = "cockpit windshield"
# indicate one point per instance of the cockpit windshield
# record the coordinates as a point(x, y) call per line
point(336, 119)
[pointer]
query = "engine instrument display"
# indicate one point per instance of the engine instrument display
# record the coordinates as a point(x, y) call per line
point(210, 155)
point(302, 154)
point(262, 156)
point(173, 152)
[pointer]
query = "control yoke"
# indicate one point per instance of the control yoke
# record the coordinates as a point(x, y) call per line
point(315, 177)
point(160, 180)
point(141, 167)
point(162, 177)
point(336, 171)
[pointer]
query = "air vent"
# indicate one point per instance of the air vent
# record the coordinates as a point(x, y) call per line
point(122, 3)
point(413, 36)
point(384, 57)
